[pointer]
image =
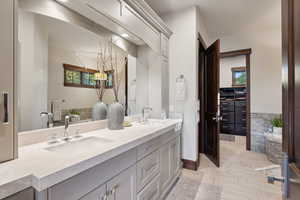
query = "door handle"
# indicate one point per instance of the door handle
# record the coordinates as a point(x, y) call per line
point(5, 107)
point(218, 118)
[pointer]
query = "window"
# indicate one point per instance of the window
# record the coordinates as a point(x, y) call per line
point(239, 76)
point(75, 76)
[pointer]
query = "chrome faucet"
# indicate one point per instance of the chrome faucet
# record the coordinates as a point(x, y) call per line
point(50, 121)
point(144, 110)
point(66, 132)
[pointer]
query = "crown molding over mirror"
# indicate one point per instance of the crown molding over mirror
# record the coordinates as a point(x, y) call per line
point(152, 17)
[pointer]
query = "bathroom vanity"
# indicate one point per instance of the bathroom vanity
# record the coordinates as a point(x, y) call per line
point(139, 162)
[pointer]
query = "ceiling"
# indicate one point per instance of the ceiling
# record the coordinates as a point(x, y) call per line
point(225, 17)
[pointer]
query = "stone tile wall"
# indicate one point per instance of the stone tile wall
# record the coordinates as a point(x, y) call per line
point(260, 124)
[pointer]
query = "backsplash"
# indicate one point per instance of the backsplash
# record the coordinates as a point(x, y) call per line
point(85, 113)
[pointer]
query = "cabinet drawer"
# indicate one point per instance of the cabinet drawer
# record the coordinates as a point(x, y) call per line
point(81, 184)
point(240, 104)
point(170, 135)
point(228, 117)
point(147, 148)
point(151, 191)
point(227, 106)
point(27, 194)
point(241, 120)
point(97, 194)
point(147, 169)
point(241, 129)
point(227, 127)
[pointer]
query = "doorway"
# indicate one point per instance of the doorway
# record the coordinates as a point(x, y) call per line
point(235, 95)
point(213, 103)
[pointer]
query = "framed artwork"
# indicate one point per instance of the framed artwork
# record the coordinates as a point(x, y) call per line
point(109, 83)
point(239, 76)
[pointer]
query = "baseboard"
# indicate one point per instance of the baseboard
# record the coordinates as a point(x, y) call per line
point(190, 164)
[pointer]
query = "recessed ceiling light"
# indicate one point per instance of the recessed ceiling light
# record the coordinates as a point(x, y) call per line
point(125, 35)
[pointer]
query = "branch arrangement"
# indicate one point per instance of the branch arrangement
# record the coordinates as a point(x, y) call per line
point(109, 58)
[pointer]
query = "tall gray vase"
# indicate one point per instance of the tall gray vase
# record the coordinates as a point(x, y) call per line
point(115, 116)
point(99, 111)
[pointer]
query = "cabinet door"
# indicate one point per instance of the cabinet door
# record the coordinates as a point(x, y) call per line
point(147, 169)
point(123, 186)
point(178, 155)
point(164, 166)
point(151, 191)
point(175, 156)
point(97, 194)
point(7, 80)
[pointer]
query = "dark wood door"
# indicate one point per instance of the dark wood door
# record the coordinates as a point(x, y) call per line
point(291, 95)
point(212, 125)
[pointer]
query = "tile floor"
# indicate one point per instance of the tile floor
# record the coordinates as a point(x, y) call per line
point(236, 179)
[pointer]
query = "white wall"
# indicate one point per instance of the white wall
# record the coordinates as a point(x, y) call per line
point(183, 58)
point(266, 85)
point(226, 64)
point(33, 72)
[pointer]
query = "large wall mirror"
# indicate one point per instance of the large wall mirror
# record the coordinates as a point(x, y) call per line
point(65, 69)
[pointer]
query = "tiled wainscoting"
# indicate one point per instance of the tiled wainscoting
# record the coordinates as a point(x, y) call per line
point(260, 124)
point(261, 139)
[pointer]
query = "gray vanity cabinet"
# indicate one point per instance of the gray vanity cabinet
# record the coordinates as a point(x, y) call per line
point(151, 191)
point(175, 156)
point(146, 172)
point(98, 194)
point(123, 186)
point(8, 145)
point(170, 164)
point(27, 194)
point(164, 166)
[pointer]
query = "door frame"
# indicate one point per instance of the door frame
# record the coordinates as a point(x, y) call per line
point(201, 125)
point(247, 54)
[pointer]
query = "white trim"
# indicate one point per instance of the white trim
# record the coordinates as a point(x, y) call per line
point(150, 15)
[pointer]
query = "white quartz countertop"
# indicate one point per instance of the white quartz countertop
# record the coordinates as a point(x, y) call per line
point(40, 168)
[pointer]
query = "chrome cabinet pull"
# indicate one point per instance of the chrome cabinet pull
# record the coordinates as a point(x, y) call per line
point(5, 104)
point(114, 190)
point(103, 197)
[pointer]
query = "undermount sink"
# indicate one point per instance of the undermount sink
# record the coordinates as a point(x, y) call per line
point(78, 146)
point(153, 122)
